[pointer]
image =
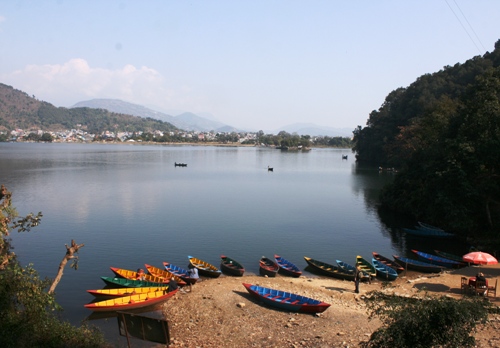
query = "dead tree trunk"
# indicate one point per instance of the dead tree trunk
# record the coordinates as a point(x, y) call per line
point(70, 251)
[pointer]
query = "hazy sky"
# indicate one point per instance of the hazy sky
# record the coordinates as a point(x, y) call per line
point(251, 64)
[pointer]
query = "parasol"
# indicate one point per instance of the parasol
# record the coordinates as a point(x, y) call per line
point(480, 258)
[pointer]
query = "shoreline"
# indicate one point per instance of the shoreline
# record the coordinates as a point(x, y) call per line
point(221, 313)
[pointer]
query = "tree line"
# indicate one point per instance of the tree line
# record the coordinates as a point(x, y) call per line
point(442, 133)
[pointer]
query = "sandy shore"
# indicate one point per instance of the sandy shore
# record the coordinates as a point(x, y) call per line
point(220, 313)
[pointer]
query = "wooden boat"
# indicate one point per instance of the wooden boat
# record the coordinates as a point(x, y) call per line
point(118, 292)
point(131, 302)
point(129, 283)
point(231, 266)
point(384, 271)
point(388, 262)
point(158, 272)
point(451, 257)
point(421, 232)
point(268, 267)
point(418, 266)
point(286, 300)
point(429, 227)
point(286, 267)
point(437, 260)
point(132, 275)
point(366, 266)
point(180, 272)
point(204, 268)
point(329, 270)
point(352, 269)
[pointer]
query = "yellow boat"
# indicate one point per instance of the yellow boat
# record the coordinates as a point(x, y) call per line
point(133, 275)
point(204, 268)
point(118, 292)
point(131, 302)
point(158, 272)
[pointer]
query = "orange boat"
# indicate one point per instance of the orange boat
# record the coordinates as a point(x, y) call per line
point(158, 272)
point(133, 275)
point(131, 302)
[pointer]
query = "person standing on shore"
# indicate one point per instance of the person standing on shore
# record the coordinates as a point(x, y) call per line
point(193, 274)
point(357, 276)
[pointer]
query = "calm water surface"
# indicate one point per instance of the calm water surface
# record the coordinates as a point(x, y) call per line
point(129, 205)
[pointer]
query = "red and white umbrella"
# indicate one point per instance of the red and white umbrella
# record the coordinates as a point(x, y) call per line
point(480, 258)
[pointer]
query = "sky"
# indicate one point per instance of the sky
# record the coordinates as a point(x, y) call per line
point(251, 64)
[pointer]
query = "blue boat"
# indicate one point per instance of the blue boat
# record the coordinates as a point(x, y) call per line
point(384, 271)
point(352, 269)
point(423, 232)
point(286, 300)
point(287, 267)
point(429, 227)
point(180, 272)
point(416, 265)
point(438, 260)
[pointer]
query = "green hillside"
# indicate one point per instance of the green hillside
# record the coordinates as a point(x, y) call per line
point(19, 110)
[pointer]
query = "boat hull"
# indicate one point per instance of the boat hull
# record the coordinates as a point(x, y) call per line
point(119, 292)
point(268, 267)
point(231, 267)
point(286, 300)
point(437, 260)
point(128, 283)
point(286, 267)
point(418, 266)
point(328, 269)
point(180, 272)
point(388, 262)
point(204, 268)
point(383, 271)
point(131, 302)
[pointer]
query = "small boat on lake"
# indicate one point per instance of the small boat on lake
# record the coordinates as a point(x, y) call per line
point(119, 292)
point(388, 262)
point(180, 164)
point(352, 269)
point(451, 257)
point(328, 269)
point(384, 271)
point(129, 283)
point(423, 232)
point(429, 227)
point(231, 266)
point(286, 267)
point(133, 275)
point(180, 272)
point(286, 300)
point(158, 272)
point(437, 260)
point(268, 267)
point(204, 268)
point(366, 266)
point(418, 266)
point(131, 302)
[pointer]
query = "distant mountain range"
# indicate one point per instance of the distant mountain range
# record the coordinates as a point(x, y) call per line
point(193, 122)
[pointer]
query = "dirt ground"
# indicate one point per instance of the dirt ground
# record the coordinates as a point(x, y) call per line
point(220, 312)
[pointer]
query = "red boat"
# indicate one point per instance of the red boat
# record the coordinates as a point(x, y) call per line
point(131, 302)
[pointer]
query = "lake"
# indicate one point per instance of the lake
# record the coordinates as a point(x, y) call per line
point(130, 205)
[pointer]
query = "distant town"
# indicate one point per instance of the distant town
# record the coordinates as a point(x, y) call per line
point(282, 139)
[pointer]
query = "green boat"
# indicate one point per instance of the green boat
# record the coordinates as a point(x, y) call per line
point(366, 266)
point(128, 283)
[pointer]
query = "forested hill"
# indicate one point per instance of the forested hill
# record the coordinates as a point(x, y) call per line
point(443, 134)
point(19, 110)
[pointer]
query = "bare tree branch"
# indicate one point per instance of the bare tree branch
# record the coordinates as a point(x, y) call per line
point(70, 251)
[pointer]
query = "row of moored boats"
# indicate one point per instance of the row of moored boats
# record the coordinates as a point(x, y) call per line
point(129, 290)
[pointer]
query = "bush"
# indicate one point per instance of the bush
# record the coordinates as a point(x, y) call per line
point(425, 322)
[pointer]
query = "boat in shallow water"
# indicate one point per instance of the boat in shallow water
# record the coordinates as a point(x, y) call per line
point(328, 269)
point(131, 302)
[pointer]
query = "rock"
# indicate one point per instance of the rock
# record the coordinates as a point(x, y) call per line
point(240, 305)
